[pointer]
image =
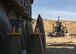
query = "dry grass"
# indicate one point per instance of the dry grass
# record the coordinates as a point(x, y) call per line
point(71, 26)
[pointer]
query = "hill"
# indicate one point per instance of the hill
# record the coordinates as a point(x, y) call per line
point(71, 25)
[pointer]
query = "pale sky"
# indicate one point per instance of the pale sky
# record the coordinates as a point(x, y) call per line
point(50, 9)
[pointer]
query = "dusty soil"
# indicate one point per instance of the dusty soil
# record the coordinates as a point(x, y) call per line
point(61, 45)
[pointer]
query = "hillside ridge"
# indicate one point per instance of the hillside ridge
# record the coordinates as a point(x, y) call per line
point(71, 25)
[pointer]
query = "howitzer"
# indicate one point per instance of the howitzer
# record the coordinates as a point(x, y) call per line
point(58, 29)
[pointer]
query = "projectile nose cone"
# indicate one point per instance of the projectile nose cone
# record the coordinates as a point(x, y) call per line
point(39, 19)
point(39, 16)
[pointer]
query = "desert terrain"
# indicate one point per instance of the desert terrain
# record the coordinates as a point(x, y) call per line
point(60, 45)
point(70, 25)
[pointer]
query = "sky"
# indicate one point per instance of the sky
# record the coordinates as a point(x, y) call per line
point(51, 9)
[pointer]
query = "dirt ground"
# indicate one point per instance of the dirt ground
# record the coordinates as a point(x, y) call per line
point(61, 45)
